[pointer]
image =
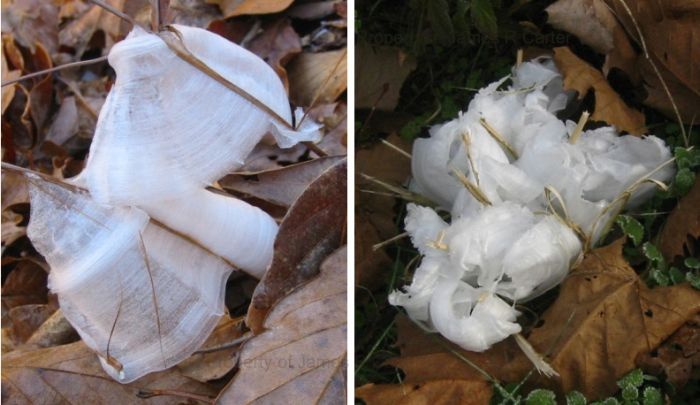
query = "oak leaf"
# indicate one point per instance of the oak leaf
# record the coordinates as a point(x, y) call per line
point(317, 77)
point(609, 107)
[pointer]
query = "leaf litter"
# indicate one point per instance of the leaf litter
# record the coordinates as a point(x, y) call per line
point(53, 333)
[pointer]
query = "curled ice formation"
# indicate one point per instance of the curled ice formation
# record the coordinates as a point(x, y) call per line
point(527, 195)
point(141, 297)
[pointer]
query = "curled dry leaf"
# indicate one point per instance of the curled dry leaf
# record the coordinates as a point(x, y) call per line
point(380, 76)
point(682, 228)
point(71, 374)
point(301, 357)
point(279, 186)
point(78, 32)
point(318, 77)
point(8, 92)
point(11, 229)
point(669, 33)
point(232, 8)
point(595, 25)
point(32, 22)
point(25, 284)
point(609, 107)
point(439, 392)
point(313, 227)
point(277, 44)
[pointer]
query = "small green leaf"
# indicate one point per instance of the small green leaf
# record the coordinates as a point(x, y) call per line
point(684, 181)
point(575, 398)
point(676, 275)
point(693, 279)
point(634, 378)
point(652, 396)
point(630, 393)
point(654, 255)
point(610, 401)
point(660, 277)
point(692, 263)
point(632, 228)
point(412, 129)
point(484, 18)
point(686, 159)
point(541, 397)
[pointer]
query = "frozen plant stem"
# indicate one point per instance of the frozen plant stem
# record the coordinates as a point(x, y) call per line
point(579, 128)
point(396, 148)
point(55, 69)
point(471, 187)
point(501, 141)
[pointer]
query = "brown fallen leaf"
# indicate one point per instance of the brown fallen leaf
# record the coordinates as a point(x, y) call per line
point(604, 318)
point(301, 357)
point(56, 330)
point(72, 374)
point(215, 364)
point(11, 229)
point(380, 76)
point(609, 107)
point(79, 30)
point(317, 77)
point(678, 358)
point(66, 122)
point(313, 10)
point(682, 228)
point(14, 189)
point(279, 186)
point(440, 392)
point(383, 163)
point(41, 93)
point(8, 92)
point(670, 31)
point(313, 227)
point(595, 25)
point(25, 284)
point(268, 157)
point(277, 45)
point(32, 22)
point(24, 320)
point(232, 8)
point(428, 356)
point(370, 264)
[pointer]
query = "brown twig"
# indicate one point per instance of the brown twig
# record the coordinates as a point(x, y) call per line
point(118, 13)
point(225, 346)
point(55, 69)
